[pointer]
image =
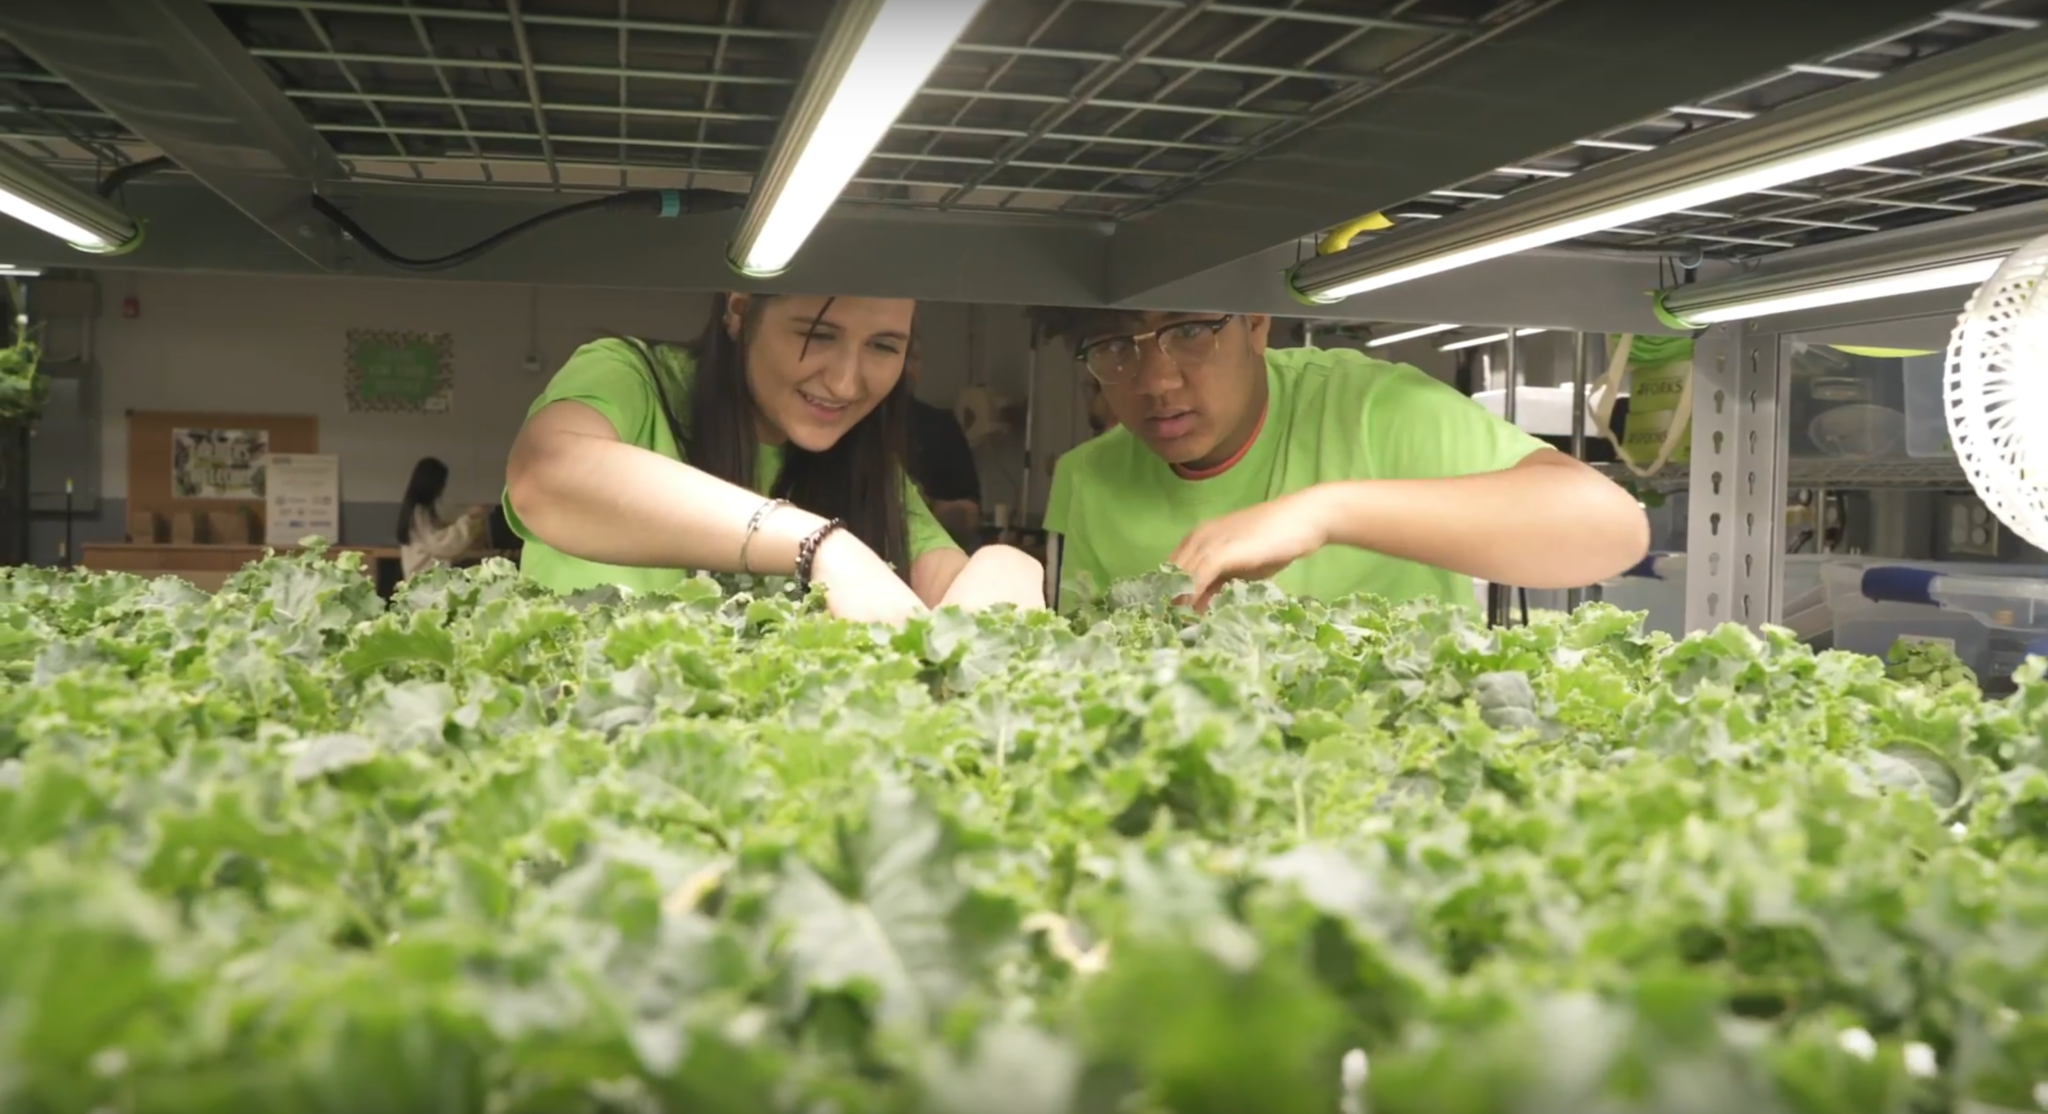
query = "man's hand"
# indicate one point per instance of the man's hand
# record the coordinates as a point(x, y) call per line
point(1251, 544)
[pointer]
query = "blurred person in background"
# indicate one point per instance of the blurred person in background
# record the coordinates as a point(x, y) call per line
point(425, 539)
point(941, 462)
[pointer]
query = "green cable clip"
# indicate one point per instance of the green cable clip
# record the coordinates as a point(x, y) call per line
point(1670, 319)
point(125, 246)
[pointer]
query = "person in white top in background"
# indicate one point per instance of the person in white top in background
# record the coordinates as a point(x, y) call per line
point(424, 540)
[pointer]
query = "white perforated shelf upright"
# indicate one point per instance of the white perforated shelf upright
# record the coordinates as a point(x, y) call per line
point(1737, 488)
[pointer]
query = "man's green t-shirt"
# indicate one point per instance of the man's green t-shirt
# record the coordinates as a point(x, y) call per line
point(610, 377)
point(1332, 414)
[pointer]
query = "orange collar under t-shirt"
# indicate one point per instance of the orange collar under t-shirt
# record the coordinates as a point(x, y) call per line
point(1213, 472)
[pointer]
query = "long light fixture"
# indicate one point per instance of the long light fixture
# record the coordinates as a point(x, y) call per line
point(34, 196)
point(1989, 87)
point(1490, 338)
point(872, 58)
point(1412, 334)
point(1939, 256)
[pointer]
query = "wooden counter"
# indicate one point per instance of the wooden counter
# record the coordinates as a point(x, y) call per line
point(209, 566)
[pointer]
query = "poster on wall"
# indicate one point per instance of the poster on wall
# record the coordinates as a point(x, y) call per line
point(400, 372)
point(305, 499)
point(219, 463)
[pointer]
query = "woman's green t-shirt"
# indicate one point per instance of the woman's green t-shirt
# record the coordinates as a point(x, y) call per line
point(610, 377)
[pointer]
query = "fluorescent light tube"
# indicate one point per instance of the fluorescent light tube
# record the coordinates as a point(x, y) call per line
point(1997, 85)
point(36, 197)
point(9, 270)
point(872, 59)
point(52, 222)
point(1859, 290)
point(1943, 255)
point(1426, 330)
point(2016, 110)
point(1491, 338)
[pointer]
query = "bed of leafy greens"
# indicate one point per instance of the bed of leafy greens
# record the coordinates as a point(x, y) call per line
point(487, 850)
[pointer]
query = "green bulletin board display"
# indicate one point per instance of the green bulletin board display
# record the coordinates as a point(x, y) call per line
point(397, 372)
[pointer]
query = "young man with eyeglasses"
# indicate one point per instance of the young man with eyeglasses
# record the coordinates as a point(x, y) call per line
point(1326, 470)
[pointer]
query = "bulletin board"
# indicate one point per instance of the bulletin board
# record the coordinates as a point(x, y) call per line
point(159, 441)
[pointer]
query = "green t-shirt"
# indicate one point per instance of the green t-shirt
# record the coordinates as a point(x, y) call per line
point(1332, 414)
point(609, 377)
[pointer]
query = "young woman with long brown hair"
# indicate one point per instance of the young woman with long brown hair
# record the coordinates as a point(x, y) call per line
point(774, 445)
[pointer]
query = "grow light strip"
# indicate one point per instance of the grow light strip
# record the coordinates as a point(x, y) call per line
point(1973, 91)
point(872, 59)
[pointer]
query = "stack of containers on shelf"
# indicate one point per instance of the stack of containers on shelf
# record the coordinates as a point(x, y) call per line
point(1862, 404)
point(1992, 616)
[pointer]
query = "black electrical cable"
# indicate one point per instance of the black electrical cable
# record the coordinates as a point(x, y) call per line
point(662, 203)
point(122, 175)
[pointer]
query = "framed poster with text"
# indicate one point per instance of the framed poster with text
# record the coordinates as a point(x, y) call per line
point(219, 463)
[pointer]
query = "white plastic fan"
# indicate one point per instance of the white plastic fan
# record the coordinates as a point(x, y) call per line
point(1995, 392)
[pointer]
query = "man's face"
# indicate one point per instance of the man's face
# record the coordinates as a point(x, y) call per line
point(1189, 385)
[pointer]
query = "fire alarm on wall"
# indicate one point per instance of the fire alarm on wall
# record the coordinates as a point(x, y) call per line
point(131, 307)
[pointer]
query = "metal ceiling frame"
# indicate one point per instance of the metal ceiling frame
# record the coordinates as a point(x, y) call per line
point(1866, 199)
point(1204, 220)
point(1519, 80)
point(171, 71)
point(1104, 68)
point(1983, 73)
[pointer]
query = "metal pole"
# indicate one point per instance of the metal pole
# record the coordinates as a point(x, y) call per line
point(1500, 598)
point(1023, 512)
point(1576, 596)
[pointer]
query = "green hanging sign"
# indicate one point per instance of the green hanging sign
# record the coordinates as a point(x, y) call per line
point(398, 372)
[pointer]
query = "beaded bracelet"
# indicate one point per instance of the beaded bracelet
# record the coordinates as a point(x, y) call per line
point(807, 553)
point(761, 514)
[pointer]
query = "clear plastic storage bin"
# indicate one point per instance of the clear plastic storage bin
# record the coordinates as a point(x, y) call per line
point(1859, 407)
point(1926, 417)
point(1992, 616)
point(1657, 586)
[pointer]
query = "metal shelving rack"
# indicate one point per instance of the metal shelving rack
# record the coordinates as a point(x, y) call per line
point(1740, 475)
point(1934, 475)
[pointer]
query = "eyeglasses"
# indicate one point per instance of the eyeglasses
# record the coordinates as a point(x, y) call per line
point(1187, 343)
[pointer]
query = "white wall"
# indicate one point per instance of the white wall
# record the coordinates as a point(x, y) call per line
point(276, 345)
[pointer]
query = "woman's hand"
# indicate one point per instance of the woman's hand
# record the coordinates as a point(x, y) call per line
point(859, 585)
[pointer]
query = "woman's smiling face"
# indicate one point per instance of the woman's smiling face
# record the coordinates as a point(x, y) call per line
point(817, 366)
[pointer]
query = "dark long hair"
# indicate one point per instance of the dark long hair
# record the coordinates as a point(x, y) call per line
point(429, 480)
point(859, 480)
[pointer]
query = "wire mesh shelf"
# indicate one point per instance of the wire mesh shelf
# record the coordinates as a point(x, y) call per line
point(1980, 173)
point(1091, 107)
point(1087, 108)
point(1925, 474)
